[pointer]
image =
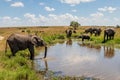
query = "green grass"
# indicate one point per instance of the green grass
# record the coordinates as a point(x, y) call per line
point(16, 68)
point(20, 66)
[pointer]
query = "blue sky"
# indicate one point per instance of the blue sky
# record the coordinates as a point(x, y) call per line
point(59, 12)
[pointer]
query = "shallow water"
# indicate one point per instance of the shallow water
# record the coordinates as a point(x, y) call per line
point(78, 59)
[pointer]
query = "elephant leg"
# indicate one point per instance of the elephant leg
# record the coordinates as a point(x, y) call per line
point(91, 33)
point(31, 50)
point(13, 47)
point(104, 36)
point(14, 51)
point(88, 39)
point(82, 39)
point(107, 37)
point(110, 37)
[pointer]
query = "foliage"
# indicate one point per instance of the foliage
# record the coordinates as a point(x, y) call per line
point(117, 26)
point(16, 68)
point(74, 24)
point(20, 66)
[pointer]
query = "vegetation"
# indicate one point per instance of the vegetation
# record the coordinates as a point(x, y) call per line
point(74, 24)
point(20, 67)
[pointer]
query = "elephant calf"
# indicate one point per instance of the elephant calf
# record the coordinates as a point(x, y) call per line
point(84, 37)
point(19, 42)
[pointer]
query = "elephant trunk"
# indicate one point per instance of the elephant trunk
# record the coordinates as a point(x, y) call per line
point(45, 52)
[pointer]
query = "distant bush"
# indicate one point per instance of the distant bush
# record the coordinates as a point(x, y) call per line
point(117, 26)
point(28, 31)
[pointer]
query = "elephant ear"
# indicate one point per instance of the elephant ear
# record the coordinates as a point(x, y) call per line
point(34, 40)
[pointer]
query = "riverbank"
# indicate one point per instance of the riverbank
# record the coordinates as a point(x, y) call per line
point(20, 67)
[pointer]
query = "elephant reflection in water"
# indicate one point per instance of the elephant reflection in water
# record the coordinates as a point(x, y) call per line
point(40, 70)
point(88, 45)
point(69, 41)
point(45, 72)
point(109, 52)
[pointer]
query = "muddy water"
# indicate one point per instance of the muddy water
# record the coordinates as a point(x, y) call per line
point(78, 59)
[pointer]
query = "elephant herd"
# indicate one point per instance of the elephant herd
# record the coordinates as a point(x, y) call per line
point(19, 42)
point(108, 33)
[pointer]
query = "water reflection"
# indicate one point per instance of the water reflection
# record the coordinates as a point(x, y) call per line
point(109, 51)
point(61, 42)
point(88, 45)
point(81, 59)
point(69, 41)
point(41, 66)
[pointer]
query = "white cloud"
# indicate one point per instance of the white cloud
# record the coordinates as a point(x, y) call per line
point(51, 19)
point(58, 20)
point(29, 15)
point(17, 4)
point(10, 21)
point(116, 19)
point(74, 10)
point(108, 9)
point(16, 19)
point(49, 9)
point(74, 2)
point(31, 18)
point(41, 3)
point(5, 18)
point(98, 14)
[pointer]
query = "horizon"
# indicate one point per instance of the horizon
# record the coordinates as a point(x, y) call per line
point(15, 13)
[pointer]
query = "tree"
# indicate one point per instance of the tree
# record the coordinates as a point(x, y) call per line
point(74, 24)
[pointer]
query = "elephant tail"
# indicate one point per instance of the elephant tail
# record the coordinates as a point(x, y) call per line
point(6, 47)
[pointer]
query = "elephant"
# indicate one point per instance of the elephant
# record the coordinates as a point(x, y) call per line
point(84, 36)
point(68, 32)
point(109, 33)
point(89, 30)
point(96, 31)
point(19, 42)
point(74, 31)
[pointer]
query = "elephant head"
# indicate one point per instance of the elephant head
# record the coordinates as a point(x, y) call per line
point(35, 40)
point(68, 32)
point(97, 31)
point(89, 30)
point(19, 42)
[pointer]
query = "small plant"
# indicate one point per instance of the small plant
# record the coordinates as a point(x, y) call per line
point(28, 31)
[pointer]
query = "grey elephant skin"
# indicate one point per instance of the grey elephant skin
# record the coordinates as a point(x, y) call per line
point(19, 42)
point(68, 32)
point(84, 37)
point(109, 34)
point(96, 31)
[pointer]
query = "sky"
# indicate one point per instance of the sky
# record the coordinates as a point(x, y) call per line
point(59, 12)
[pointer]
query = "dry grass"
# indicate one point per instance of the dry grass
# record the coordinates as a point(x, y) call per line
point(5, 32)
point(7, 65)
point(46, 31)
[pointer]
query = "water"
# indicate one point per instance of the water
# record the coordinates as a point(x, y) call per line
point(77, 59)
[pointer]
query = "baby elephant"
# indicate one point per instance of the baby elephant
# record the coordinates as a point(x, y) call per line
point(84, 37)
